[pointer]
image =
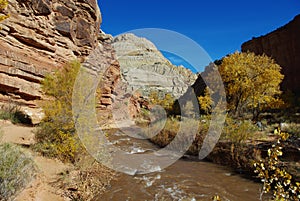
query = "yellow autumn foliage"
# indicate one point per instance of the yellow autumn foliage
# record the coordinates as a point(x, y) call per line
point(56, 135)
point(3, 5)
point(274, 175)
point(206, 101)
point(166, 102)
point(251, 82)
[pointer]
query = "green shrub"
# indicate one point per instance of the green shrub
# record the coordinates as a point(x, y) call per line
point(171, 129)
point(56, 135)
point(1, 135)
point(238, 131)
point(17, 169)
point(13, 113)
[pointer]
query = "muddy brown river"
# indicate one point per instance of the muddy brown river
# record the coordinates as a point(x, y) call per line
point(188, 179)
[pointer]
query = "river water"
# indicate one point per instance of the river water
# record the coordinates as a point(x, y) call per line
point(187, 179)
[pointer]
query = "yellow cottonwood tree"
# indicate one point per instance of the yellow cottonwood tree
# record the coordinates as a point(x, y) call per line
point(3, 5)
point(205, 101)
point(166, 102)
point(251, 82)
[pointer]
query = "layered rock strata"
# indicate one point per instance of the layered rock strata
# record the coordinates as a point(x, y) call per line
point(39, 37)
point(145, 69)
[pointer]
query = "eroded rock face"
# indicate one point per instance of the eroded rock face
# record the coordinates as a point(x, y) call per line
point(104, 66)
point(144, 68)
point(283, 45)
point(39, 37)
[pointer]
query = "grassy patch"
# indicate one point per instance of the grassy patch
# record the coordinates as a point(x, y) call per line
point(13, 113)
point(87, 180)
point(292, 128)
point(17, 169)
point(172, 127)
point(238, 131)
point(234, 131)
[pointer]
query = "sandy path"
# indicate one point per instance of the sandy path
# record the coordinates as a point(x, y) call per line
point(49, 169)
point(16, 134)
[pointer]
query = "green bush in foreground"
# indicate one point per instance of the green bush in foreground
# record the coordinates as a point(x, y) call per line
point(17, 169)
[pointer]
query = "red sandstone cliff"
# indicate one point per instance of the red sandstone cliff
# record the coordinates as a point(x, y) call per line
point(283, 45)
point(40, 36)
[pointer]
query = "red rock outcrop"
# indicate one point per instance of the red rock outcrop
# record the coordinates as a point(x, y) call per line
point(283, 45)
point(42, 35)
point(39, 36)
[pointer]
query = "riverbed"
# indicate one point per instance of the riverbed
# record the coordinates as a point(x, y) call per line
point(186, 179)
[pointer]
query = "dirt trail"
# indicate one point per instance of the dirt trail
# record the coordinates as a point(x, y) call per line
point(48, 169)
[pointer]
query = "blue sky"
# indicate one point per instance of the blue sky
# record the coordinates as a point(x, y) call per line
point(220, 27)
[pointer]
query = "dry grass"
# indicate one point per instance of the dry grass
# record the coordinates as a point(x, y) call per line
point(238, 131)
point(17, 169)
point(13, 113)
point(86, 181)
point(172, 128)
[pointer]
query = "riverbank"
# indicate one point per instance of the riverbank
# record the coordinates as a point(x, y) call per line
point(54, 179)
point(240, 145)
point(188, 179)
point(63, 181)
point(241, 157)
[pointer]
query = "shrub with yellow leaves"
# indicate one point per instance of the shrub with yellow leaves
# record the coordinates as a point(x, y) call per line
point(206, 101)
point(166, 100)
point(56, 134)
point(275, 178)
point(216, 198)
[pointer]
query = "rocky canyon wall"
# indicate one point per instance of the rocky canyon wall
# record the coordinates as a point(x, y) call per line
point(283, 45)
point(40, 36)
point(144, 67)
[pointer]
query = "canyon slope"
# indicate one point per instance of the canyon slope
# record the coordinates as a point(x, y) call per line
point(143, 67)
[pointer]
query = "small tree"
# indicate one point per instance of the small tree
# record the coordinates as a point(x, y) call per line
point(167, 101)
point(56, 134)
point(205, 101)
point(251, 82)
